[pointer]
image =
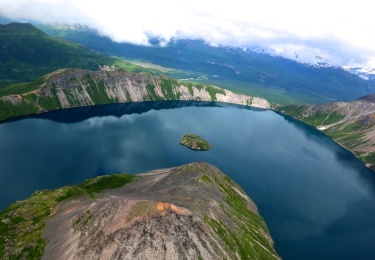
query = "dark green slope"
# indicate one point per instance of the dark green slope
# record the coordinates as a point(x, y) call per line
point(277, 79)
point(27, 53)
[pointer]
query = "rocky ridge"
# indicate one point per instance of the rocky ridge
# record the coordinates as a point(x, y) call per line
point(351, 124)
point(189, 212)
point(75, 87)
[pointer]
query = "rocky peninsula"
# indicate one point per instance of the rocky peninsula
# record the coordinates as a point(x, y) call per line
point(189, 212)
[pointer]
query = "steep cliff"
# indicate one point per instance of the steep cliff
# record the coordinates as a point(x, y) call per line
point(351, 124)
point(75, 87)
point(189, 212)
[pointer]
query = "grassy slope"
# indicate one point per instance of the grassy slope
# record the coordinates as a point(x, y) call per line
point(349, 134)
point(251, 224)
point(28, 53)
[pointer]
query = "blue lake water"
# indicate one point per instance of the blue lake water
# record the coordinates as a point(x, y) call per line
point(318, 200)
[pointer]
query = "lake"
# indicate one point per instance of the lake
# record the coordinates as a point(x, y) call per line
point(317, 199)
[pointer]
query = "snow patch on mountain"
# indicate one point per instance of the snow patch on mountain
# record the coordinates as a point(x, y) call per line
point(365, 73)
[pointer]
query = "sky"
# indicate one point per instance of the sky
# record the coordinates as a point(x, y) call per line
point(340, 31)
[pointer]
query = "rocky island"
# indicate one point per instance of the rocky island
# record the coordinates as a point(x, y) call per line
point(195, 142)
point(189, 212)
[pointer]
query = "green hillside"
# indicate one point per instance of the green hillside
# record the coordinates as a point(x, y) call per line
point(27, 53)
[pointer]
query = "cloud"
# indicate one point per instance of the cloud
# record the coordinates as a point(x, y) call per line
point(338, 30)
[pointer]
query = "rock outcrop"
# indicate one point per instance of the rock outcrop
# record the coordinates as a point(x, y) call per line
point(195, 142)
point(75, 87)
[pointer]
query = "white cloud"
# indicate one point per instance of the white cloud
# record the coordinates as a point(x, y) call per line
point(342, 31)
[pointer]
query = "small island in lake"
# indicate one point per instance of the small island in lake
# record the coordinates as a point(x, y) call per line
point(195, 142)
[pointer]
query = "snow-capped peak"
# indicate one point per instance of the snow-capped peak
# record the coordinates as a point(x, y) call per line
point(322, 62)
point(365, 73)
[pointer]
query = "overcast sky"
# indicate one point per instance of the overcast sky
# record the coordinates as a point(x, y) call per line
point(341, 31)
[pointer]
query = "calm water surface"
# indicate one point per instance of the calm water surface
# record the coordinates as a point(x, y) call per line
point(318, 200)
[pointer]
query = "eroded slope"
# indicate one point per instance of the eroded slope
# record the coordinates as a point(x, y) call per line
point(193, 211)
point(351, 124)
point(75, 87)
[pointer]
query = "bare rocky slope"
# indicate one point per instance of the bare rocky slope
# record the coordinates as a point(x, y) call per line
point(351, 124)
point(75, 87)
point(189, 212)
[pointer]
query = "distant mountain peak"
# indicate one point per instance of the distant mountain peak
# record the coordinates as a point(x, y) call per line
point(20, 29)
point(323, 62)
point(368, 98)
point(366, 73)
point(75, 27)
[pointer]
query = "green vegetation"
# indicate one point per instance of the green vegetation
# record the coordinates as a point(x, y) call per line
point(255, 89)
point(97, 93)
point(148, 65)
point(97, 185)
point(168, 87)
point(28, 53)
point(195, 142)
point(251, 226)
point(22, 223)
point(213, 91)
point(8, 109)
point(316, 118)
point(370, 158)
point(324, 118)
point(23, 87)
point(206, 179)
point(82, 220)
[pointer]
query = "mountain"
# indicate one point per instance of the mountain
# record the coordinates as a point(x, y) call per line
point(67, 88)
point(278, 79)
point(189, 212)
point(351, 124)
point(27, 53)
point(366, 73)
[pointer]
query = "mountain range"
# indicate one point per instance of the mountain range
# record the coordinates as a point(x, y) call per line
point(277, 79)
